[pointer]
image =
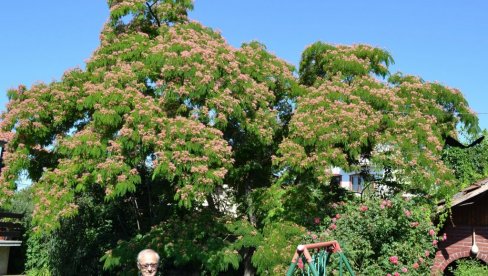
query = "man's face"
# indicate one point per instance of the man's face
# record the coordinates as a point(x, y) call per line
point(148, 264)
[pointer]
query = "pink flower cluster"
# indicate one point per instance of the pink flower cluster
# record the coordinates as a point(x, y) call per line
point(385, 203)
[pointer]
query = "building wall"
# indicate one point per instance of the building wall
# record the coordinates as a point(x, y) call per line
point(467, 216)
point(345, 178)
point(4, 253)
point(472, 212)
point(458, 246)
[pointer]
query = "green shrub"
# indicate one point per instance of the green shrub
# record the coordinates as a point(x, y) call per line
point(469, 267)
point(382, 236)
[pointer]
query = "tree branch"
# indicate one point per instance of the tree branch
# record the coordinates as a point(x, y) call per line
point(149, 6)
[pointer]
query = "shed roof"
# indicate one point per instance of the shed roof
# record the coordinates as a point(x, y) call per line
point(470, 192)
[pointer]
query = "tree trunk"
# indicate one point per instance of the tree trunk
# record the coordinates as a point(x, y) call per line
point(249, 269)
point(250, 207)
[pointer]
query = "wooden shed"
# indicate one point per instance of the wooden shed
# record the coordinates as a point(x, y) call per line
point(466, 228)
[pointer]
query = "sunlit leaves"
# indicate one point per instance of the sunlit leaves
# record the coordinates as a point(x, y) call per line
point(348, 117)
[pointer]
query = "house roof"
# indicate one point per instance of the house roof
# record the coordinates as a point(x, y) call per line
point(470, 192)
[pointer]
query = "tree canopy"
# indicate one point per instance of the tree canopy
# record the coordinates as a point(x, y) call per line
point(350, 118)
point(217, 157)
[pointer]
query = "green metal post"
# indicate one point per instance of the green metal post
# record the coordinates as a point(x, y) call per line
point(326, 260)
point(348, 266)
point(318, 261)
point(340, 266)
point(311, 267)
point(291, 269)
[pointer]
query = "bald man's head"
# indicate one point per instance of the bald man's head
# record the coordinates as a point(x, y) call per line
point(147, 262)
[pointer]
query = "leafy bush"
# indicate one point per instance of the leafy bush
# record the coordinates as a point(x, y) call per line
point(208, 253)
point(469, 165)
point(469, 267)
point(381, 236)
point(75, 248)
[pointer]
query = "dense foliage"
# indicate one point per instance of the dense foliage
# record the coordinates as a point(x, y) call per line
point(350, 119)
point(217, 157)
point(469, 164)
point(381, 236)
point(469, 267)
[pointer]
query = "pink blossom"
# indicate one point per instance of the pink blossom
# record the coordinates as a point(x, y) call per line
point(407, 213)
point(421, 260)
point(385, 203)
point(427, 253)
point(396, 274)
point(334, 220)
point(394, 260)
point(316, 220)
point(300, 263)
point(332, 226)
point(338, 216)
point(444, 237)
point(404, 270)
point(415, 265)
point(314, 237)
point(414, 224)
point(434, 242)
point(431, 232)
point(363, 208)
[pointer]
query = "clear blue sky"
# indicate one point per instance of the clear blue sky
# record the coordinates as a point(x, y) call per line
point(441, 40)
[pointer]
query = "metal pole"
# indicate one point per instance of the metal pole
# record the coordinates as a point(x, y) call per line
point(348, 266)
point(291, 269)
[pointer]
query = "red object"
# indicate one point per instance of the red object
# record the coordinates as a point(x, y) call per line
point(300, 263)
point(330, 246)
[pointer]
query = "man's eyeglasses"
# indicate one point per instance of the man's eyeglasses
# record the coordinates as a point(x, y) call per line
point(147, 266)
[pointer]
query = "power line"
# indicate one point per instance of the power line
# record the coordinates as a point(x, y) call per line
point(406, 112)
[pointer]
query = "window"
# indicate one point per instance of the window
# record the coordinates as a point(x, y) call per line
point(357, 183)
point(336, 180)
